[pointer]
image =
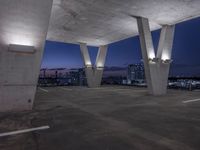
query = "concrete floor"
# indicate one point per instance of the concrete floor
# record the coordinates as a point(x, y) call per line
point(108, 118)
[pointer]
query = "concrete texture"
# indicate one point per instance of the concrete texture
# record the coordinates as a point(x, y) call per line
point(156, 63)
point(25, 22)
point(107, 118)
point(100, 22)
point(22, 22)
point(94, 72)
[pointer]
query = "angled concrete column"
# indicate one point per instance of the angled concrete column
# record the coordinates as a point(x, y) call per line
point(156, 65)
point(94, 73)
point(23, 30)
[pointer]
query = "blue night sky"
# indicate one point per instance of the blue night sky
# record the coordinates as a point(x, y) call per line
point(186, 51)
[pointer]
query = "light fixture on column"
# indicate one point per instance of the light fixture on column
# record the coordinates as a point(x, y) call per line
point(88, 64)
point(167, 61)
point(166, 58)
point(21, 48)
point(154, 60)
point(99, 68)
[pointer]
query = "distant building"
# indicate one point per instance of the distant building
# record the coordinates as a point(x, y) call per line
point(62, 76)
point(77, 77)
point(82, 77)
point(135, 73)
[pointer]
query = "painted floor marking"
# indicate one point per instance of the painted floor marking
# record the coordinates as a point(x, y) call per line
point(65, 89)
point(23, 131)
point(44, 90)
point(193, 100)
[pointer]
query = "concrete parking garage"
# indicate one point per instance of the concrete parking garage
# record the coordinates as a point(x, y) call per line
point(106, 118)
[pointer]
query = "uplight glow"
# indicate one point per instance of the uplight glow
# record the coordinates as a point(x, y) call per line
point(151, 55)
point(19, 40)
point(165, 57)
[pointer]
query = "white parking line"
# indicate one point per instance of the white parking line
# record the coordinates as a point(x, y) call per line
point(44, 90)
point(119, 90)
point(65, 89)
point(23, 131)
point(193, 100)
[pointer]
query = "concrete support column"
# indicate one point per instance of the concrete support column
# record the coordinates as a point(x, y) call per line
point(94, 73)
point(23, 30)
point(156, 65)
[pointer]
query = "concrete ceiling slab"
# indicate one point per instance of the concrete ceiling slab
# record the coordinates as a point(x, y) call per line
point(99, 22)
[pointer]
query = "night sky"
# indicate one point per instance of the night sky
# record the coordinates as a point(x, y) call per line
point(185, 54)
